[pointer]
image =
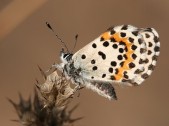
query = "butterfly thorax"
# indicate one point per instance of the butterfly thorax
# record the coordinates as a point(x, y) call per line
point(70, 71)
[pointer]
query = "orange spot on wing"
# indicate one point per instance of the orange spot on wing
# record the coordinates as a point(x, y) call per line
point(129, 52)
point(120, 74)
point(106, 35)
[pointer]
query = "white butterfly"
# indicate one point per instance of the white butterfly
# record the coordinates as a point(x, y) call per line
point(123, 54)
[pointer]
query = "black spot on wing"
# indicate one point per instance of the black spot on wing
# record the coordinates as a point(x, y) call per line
point(125, 56)
point(112, 31)
point(119, 57)
point(112, 77)
point(104, 75)
point(94, 45)
point(121, 50)
point(131, 39)
point(113, 63)
point(156, 48)
point(151, 67)
point(140, 41)
point(138, 71)
point(112, 39)
point(135, 33)
point(150, 44)
point(122, 63)
point(102, 55)
point(123, 34)
point(131, 65)
point(149, 52)
point(125, 27)
point(111, 70)
point(106, 44)
point(133, 47)
point(83, 56)
point(147, 35)
point(94, 68)
point(101, 39)
point(145, 76)
point(115, 46)
point(116, 71)
point(156, 39)
point(155, 57)
point(134, 56)
point(93, 61)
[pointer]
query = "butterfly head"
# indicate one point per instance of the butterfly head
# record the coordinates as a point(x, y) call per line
point(65, 56)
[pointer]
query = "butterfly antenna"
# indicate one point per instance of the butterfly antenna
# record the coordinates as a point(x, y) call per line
point(49, 26)
point(75, 42)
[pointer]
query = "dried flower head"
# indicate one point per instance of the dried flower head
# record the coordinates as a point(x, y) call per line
point(49, 108)
point(55, 91)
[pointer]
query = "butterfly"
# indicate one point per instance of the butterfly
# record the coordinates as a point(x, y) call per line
point(123, 54)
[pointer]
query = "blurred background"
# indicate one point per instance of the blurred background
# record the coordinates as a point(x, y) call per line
point(26, 42)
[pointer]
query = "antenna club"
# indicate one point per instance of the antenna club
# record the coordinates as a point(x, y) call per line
point(76, 36)
point(49, 26)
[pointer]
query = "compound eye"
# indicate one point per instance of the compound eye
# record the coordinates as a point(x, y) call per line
point(65, 55)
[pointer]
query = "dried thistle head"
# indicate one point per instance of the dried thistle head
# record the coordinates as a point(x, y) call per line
point(49, 108)
point(24, 110)
point(55, 91)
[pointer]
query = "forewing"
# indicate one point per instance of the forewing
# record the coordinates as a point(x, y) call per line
point(121, 54)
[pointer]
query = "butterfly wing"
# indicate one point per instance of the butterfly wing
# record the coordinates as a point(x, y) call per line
point(122, 54)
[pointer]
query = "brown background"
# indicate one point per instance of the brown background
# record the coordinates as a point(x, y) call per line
point(30, 43)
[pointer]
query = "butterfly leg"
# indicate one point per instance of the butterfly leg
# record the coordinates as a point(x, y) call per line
point(56, 66)
point(78, 85)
